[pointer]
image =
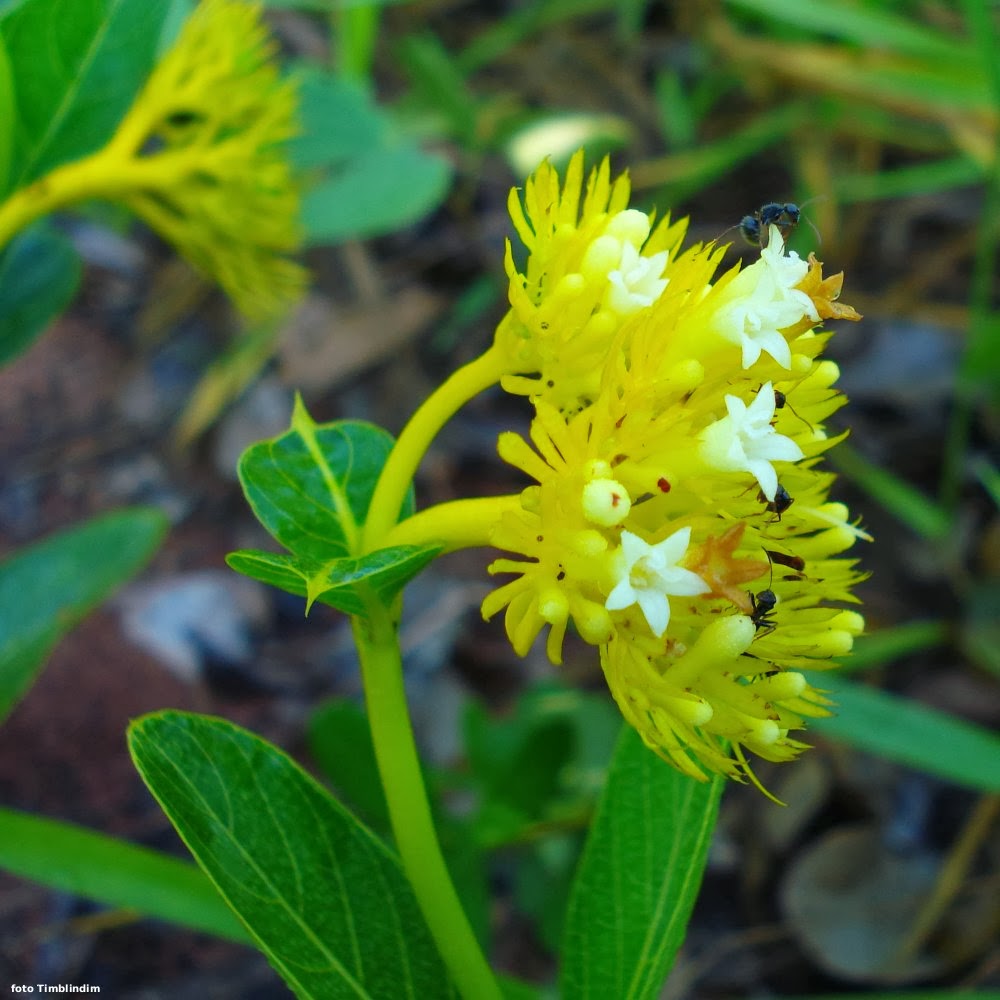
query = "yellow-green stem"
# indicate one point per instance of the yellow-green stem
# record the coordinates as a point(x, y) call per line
point(105, 174)
point(378, 646)
point(413, 442)
point(458, 524)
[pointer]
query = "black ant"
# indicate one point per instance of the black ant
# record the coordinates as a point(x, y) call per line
point(763, 605)
point(781, 401)
point(755, 227)
point(781, 502)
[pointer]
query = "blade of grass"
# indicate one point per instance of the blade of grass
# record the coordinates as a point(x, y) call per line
point(922, 88)
point(528, 21)
point(910, 733)
point(989, 475)
point(981, 361)
point(894, 643)
point(869, 26)
point(697, 168)
point(355, 30)
point(906, 503)
point(905, 182)
point(115, 872)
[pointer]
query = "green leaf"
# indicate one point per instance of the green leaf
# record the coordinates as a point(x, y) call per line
point(323, 897)
point(906, 182)
point(7, 106)
point(323, 98)
point(345, 584)
point(887, 644)
point(311, 486)
point(905, 502)
point(355, 168)
point(441, 83)
point(365, 197)
point(47, 588)
point(78, 64)
point(71, 859)
point(909, 733)
point(39, 274)
point(638, 878)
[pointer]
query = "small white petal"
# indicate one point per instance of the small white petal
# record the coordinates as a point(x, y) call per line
point(671, 550)
point(656, 609)
point(623, 596)
point(766, 477)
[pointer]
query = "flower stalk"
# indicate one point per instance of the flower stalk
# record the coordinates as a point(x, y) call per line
point(376, 637)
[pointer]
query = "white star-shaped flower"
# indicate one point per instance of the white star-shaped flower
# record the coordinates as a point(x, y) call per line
point(762, 301)
point(648, 574)
point(637, 282)
point(745, 441)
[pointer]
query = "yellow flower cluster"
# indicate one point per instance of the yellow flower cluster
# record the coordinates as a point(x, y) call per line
point(679, 516)
point(209, 172)
point(199, 156)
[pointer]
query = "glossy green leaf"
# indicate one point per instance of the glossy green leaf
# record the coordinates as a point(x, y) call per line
point(345, 584)
point(910, 733)
point(78, 65)
point(39, 275)
point(324, 899)
point(47, 588)
point(311, 486)
point(114, 872)
point(638, 878)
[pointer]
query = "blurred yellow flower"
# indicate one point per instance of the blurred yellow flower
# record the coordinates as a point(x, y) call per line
point(199, 157)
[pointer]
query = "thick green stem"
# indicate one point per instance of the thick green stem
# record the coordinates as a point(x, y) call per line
point(399, 470)
point(378, 646)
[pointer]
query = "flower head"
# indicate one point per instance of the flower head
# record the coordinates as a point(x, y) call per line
point(592, 263)
point(199, 156)
point(675, 479)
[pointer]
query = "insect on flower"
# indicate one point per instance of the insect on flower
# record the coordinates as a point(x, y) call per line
point(754, 227)
point(763, 608)
point(781, 402)
point(786, 216)
point(781, 502)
